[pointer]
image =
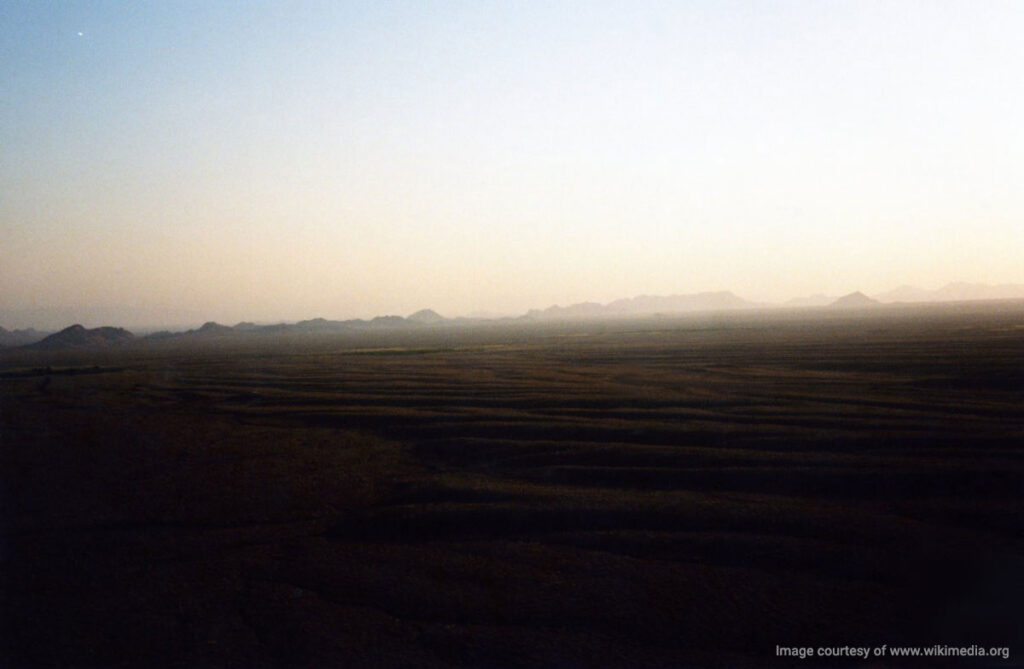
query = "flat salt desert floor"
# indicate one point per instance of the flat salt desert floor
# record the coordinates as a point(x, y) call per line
point(656, 492)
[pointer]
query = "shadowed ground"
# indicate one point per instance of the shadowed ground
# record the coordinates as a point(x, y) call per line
point(648, 493)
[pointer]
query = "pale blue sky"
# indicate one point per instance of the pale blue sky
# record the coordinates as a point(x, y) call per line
point(185, 161)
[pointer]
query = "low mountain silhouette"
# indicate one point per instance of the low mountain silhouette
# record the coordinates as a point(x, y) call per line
point(78, 336)
point(207, 330)
point(211, 328)
point(323, 325)
point(854, 301)
point(389, 322)
point(908, 294)
point(955, 292)
point(646, 304)
point(581, 310)
point(425, 316)
point(642, 305)
point(10, 338)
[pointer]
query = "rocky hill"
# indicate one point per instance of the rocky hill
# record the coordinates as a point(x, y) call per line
point(78, 336)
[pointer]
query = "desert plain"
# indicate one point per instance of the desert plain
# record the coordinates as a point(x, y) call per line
point(666, 491)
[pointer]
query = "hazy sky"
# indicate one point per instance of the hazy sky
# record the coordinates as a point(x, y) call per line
point(174, 162)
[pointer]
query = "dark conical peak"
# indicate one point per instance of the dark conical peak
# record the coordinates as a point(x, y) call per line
point(73, 329)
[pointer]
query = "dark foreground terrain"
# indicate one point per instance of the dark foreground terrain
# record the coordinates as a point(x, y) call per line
point(691, 492)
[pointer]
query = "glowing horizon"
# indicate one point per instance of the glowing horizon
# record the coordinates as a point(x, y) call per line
point(265, 162)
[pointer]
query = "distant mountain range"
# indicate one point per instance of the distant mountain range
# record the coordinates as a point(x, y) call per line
point(213, 330)
point(954, 292)
point(646, 304)
point(20, 337)
point(78, 336)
